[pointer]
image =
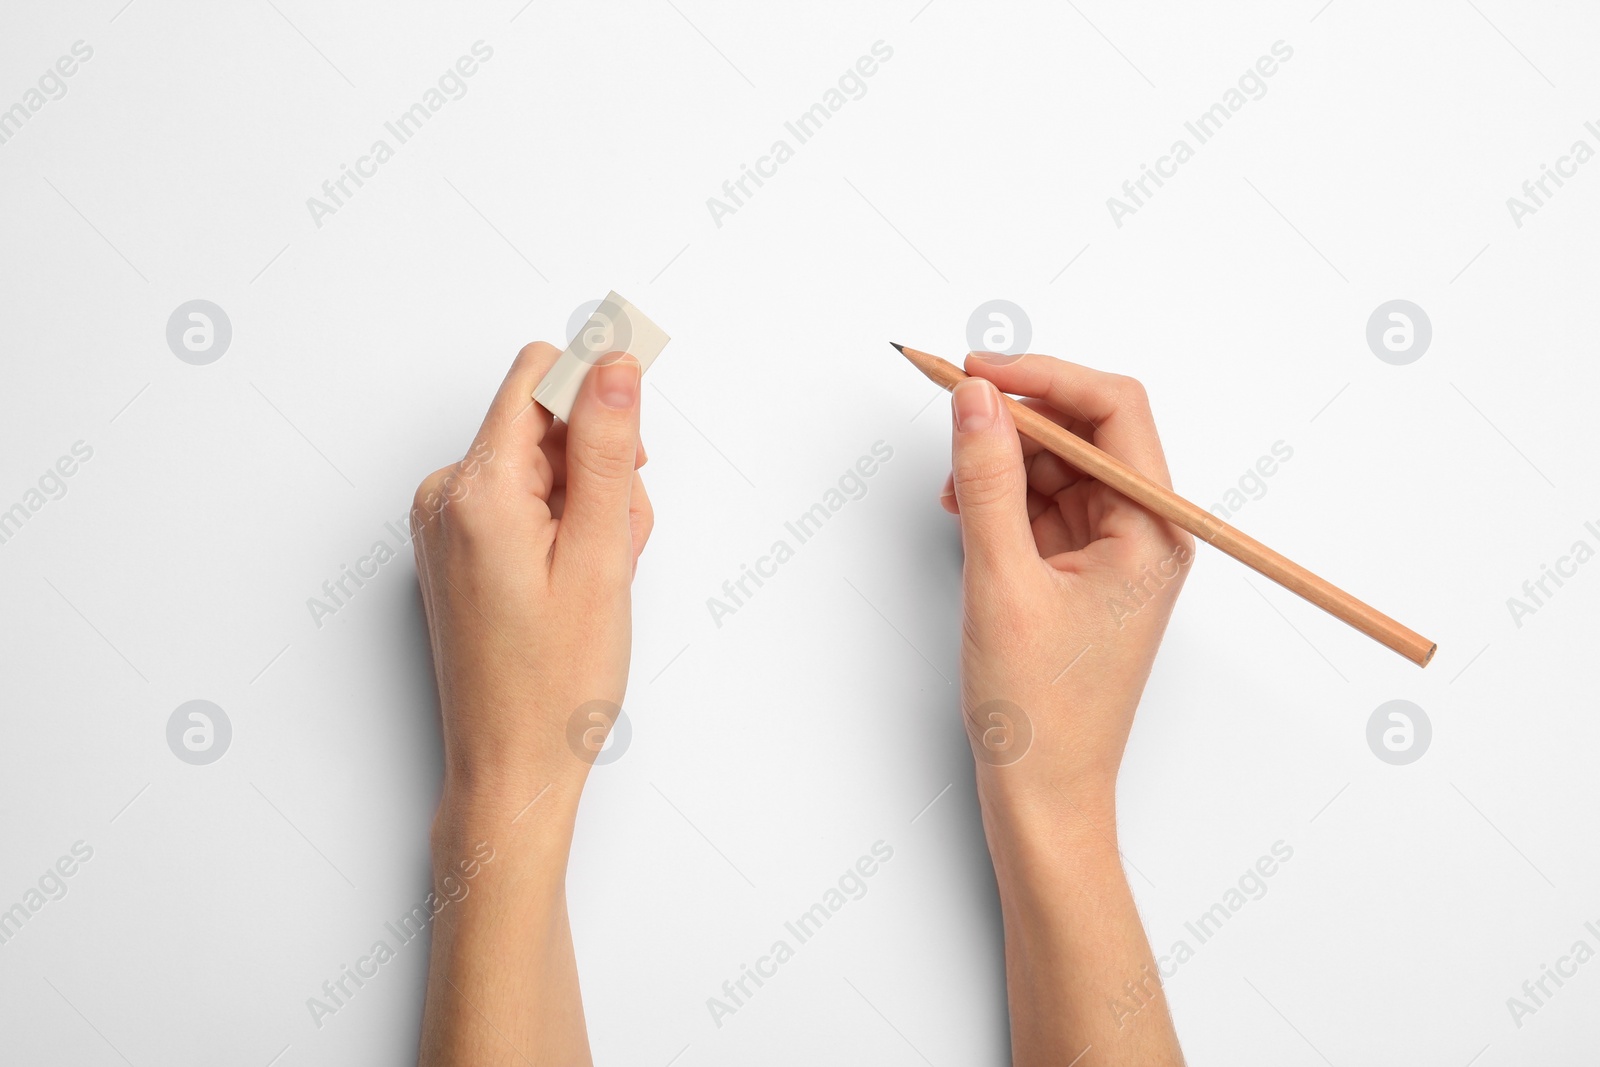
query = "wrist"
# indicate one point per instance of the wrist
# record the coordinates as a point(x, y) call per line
point(1046, 878)
point(517, 816)
point(1041, 831)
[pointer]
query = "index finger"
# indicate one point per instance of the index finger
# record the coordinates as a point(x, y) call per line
point(516, 424)
point(1113, 408)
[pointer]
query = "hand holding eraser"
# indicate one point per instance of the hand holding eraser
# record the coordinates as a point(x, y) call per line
point(615, 326)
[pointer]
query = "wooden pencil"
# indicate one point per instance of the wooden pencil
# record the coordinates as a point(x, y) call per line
point(1198, 521)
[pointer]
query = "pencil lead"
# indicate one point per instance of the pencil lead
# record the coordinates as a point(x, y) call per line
point(898, 348)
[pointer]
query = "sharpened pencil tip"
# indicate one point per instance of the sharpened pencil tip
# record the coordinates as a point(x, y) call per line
point(898, 348)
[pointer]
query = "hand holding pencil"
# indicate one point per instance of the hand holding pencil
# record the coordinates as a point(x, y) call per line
point(1106, 465)
point(1066, 590)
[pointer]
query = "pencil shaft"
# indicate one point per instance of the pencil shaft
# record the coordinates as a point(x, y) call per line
point(1188, 516)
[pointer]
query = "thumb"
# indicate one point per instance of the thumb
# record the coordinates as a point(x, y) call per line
point(602, 441)
point(991, 486)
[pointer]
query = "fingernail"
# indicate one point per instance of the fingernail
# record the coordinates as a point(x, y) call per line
point(976, 405)
point(617, 384)
point(995, 359)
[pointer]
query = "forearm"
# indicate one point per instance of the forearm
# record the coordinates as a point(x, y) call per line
point(502, 980)
point(1080, 977)
point(524, 569)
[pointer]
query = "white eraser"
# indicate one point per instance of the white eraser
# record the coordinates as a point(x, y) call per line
point(615, 326)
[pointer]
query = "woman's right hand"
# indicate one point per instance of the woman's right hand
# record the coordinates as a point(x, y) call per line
point(1066, 590)
point(1067, 585)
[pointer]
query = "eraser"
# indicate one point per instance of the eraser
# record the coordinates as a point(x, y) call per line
point(615, 326)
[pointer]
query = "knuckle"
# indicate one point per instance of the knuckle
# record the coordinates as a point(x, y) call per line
point(430, 491)
point(535, 349)
point(1131, 392)
point(644, 522)
point(607, 455)
point(982, 480)
point(448, 488)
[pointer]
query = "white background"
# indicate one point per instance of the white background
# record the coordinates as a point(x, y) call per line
point(769, 753)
